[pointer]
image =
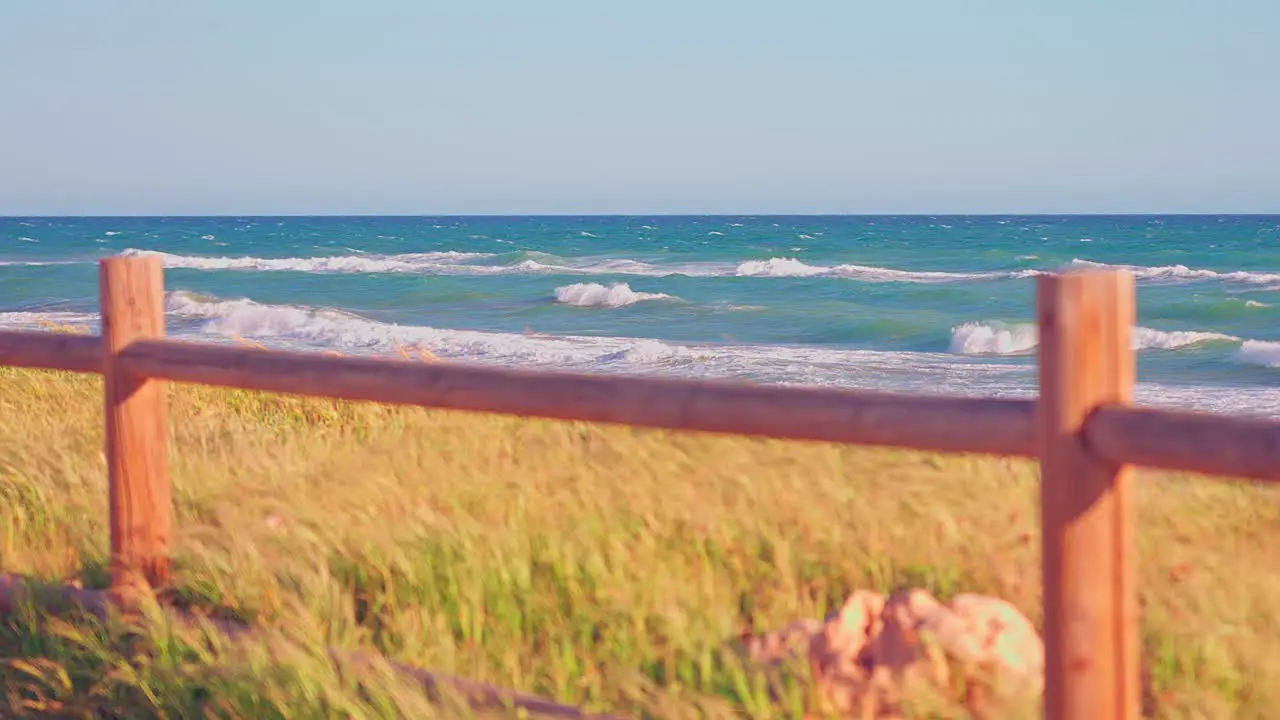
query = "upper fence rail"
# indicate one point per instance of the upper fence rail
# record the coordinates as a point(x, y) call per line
point(1234, 446)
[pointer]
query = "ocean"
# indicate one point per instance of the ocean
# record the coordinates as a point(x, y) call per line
point(909, 303)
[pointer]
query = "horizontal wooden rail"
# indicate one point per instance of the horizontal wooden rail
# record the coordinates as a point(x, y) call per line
point(1214, 444)
point(940, 423)
point(51, 351)
point(1239, 447)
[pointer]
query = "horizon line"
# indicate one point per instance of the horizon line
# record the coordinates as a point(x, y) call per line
point(623, 215)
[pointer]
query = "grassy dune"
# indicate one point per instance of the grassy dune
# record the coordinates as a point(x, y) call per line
point(602, 566)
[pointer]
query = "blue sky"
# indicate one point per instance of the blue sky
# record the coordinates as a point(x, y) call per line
point(695, 106)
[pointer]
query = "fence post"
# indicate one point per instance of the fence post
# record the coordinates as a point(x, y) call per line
point(1090, 596)
point(131, 293)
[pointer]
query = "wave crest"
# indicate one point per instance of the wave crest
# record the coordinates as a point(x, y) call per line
point(997, 338)
point(406, 263)
point(597, 295)
point(1179, 273)
point(791, 267)
point(993, 339)
point(464, 263)
point(779, 267)
point(1259, 352)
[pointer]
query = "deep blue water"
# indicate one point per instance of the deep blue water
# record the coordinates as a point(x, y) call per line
point(917, 303)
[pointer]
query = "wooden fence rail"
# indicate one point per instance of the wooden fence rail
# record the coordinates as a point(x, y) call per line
point(1082, 428)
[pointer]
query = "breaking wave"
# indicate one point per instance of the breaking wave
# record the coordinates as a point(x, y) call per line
point(1258, 352)
point(36, 320)
point(597, 295)
point(993, 339)
point(1182, 273)
point(1019, 338)
point(430, 263)
point(207, 318)
point(34, 263)
point(305, 327)
point(791, 267)
point(462, 263)
point(407, 263)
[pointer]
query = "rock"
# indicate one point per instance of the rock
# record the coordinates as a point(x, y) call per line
point(905, 655)
point(874, 653)
point(839, 655)
point(777, 652)
point(773, 648)
point(999, 649)
point(996, 635)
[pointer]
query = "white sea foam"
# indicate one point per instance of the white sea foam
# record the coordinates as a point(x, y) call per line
point(195, 317)
point(791, 267)
point(31, 320)
point(649, 352)
point(1258, 352)
point(597, 295)
point(779, 267)
point(1013, 339)
point(35, 263)
point(1148, 339)
point(879, 274)
point(292, 326)
point(993, 339)
point(453, 263)
point(471, 263)
point(362, 263)
point(1255, 304)
point(436, 263)
point(1182, 273)
point(287, 325)
point(308, 327)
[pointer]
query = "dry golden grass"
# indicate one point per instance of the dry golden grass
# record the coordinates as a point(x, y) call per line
point(602, 566)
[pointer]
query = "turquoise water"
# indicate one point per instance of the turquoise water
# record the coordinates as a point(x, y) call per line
point(926, 304)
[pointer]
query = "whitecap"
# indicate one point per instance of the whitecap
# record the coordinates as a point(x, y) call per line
point(1259, 352)
point(302, 327)
point(993, 339)
point(997, 338)
point(779, 267)
point(1182, 273)
point(36, 320)
point(363, 263)
point(597, 295)
point(791, 267)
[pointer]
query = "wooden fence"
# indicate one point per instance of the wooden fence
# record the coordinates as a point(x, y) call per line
point(1082, 428)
